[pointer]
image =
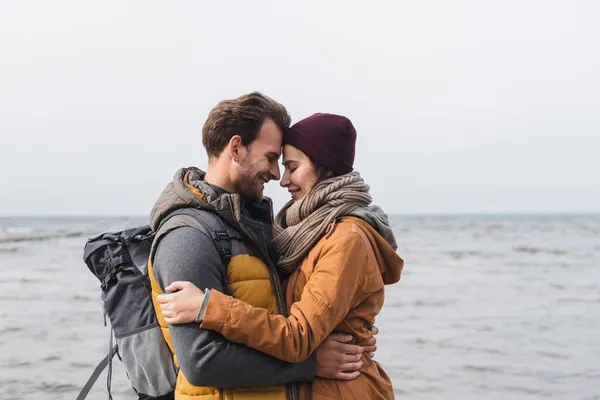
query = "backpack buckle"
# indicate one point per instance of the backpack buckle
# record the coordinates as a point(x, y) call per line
point(222, 237)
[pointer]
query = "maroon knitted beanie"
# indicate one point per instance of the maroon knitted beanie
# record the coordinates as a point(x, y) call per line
point(328, 139)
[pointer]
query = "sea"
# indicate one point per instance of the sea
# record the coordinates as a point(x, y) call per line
point(488, 307)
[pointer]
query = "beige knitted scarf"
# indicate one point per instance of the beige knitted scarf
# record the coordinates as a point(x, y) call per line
point(300, 224)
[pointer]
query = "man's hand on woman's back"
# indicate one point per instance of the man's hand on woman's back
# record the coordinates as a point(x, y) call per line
point(336, 359)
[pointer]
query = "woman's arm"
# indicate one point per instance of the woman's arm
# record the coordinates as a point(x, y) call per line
point(331, 291)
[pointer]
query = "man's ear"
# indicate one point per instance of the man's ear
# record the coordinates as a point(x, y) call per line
point(235, 147)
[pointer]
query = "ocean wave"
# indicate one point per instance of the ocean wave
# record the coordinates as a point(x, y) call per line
point(11, 249)
point(483, 368)
point(39, 238)
point(459, 255)
point(535, 250)
point(19, 364)
point(81, 365)
point(553, 355)
point(10, 329)
point(32, 280)
point(81, 298)
point(433, 303)
point(51, 387)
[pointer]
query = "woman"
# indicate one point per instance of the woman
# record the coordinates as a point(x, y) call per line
point(336, 253)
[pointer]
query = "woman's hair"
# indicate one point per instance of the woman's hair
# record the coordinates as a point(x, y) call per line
point(321, 172)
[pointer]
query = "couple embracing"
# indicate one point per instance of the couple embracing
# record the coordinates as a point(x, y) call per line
point(286, 309)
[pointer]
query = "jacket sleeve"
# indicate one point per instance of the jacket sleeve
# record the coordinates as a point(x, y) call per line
point(205, 357)
point(331, 291)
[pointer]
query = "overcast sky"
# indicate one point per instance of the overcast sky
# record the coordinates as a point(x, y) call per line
point(460, 106)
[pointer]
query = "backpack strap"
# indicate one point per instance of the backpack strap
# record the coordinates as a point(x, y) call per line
point(213, 227)
point(96, 374)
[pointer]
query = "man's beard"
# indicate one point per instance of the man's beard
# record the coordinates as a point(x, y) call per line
point(247, 183)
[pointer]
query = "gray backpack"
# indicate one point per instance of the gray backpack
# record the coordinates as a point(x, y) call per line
point(120, 262)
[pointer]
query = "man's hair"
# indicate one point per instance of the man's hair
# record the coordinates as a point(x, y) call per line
point(242, 116)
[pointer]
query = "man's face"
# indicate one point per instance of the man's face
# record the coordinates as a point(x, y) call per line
point(258, 162)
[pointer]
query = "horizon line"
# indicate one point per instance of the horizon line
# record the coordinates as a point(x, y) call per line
point(399, 214)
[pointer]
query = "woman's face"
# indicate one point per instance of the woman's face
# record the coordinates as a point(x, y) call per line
point(299, 173)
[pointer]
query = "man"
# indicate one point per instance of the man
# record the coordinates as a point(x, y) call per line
point(243, 140)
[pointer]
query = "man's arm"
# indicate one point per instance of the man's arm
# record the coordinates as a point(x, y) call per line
point(335, 286)
point(205, 357)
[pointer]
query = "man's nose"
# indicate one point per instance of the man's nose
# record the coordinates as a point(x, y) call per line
point(275, 172)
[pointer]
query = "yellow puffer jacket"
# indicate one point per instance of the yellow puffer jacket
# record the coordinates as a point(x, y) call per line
point(248, 279)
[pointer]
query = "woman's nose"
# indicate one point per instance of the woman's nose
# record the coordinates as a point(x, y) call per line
point(284, 180)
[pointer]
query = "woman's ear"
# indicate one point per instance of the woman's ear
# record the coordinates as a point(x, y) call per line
point(234, 147)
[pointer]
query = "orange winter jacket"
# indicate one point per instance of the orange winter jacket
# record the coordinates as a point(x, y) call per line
point(339, 287)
